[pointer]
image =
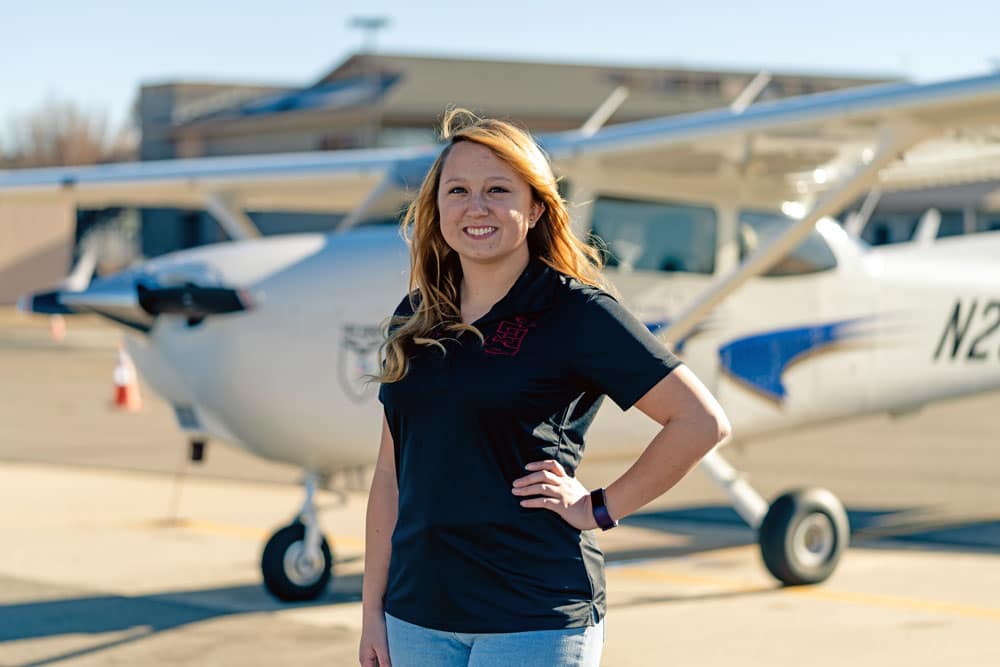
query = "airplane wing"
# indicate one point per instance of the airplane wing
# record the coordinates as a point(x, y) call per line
point(824, 150)
point(320, 181)
point(789, 148)
point(800, 146)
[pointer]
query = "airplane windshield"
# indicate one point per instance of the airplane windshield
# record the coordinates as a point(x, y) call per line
point(655, 236)
point(811, 256)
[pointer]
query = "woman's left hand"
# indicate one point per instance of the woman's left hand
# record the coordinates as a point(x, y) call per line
point(559, 492)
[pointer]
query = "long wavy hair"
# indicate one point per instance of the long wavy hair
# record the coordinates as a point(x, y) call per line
point(435, 269)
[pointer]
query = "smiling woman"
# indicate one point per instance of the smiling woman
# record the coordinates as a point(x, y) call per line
point(480, 547)
point(486, 210)
point(499, 185)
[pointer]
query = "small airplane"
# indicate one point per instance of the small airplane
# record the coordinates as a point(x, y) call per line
point(718, 234)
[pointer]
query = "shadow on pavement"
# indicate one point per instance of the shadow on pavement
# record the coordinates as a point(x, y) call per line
point(716, 526)
point(143, 616)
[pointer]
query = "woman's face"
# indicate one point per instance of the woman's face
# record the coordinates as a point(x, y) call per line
point(486, 208)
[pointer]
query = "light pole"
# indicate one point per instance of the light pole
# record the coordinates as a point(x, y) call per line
point(369, 26)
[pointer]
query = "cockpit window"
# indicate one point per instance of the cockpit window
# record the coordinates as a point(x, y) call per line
point(655, 236)
point(758, 228)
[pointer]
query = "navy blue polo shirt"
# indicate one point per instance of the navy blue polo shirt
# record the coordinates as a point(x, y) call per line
point(466, 557)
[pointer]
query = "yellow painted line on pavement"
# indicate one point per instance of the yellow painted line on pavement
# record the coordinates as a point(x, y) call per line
point(893, 602)
point(661, 576)
point(821, 593)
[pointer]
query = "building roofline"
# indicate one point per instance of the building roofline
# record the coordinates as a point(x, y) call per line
point(644, 65)
point(197, 81)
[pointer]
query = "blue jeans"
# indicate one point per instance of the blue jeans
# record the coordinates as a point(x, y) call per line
point(416, 646)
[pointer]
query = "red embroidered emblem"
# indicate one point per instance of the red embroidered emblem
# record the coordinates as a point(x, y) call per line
point(507, 339)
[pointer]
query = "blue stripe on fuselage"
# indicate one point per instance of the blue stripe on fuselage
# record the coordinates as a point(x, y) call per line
point(761, 359)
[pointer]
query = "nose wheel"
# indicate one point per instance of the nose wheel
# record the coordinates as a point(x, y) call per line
point(290, 572)
point(297, 562)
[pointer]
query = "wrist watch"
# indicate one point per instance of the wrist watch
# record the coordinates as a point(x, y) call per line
point(599, 505)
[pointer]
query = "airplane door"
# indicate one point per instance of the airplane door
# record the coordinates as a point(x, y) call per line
point(777, 328)
point(660, 256)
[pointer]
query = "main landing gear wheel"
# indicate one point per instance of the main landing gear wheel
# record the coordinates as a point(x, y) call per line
point(289, 572)
point(803, 536)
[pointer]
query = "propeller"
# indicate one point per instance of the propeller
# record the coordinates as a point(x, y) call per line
point(135, 302)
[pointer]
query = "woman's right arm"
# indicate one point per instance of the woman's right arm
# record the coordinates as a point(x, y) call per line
point(380, 519)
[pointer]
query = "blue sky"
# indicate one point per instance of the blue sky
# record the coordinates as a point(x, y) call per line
point(97, 53)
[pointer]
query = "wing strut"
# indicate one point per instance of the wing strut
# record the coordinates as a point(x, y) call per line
point(358, 214)
point(895, 140)
point(237, 224)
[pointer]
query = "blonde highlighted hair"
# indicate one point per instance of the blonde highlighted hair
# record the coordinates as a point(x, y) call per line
point(435, 270)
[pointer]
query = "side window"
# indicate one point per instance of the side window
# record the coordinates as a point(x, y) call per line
point(987, 222)
point(759, 228)
point(885, 228)
point(655, 236)
point(952, 224)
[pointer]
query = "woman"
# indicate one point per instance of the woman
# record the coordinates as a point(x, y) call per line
point(494, 367)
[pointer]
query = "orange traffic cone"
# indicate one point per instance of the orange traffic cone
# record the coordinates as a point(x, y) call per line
point(127, 395)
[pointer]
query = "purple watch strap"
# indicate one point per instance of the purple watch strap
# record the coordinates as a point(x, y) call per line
point(598, 503)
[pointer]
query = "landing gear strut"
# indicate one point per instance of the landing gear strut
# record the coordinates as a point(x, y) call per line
point(802, 534)
point(297, 561)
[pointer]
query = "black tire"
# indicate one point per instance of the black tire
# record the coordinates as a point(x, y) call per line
point(803, 536)
point(293, 586)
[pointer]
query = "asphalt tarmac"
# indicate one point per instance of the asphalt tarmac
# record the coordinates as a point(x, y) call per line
point(117, 551)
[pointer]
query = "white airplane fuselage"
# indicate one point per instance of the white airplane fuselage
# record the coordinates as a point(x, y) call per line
point(880, 332)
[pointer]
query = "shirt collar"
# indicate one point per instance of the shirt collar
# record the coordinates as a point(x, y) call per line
point(533, 291)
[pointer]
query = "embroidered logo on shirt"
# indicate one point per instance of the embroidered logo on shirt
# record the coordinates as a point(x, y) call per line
point(507, 339)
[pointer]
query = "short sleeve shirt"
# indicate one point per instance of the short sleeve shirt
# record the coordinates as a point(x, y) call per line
point(466, 557)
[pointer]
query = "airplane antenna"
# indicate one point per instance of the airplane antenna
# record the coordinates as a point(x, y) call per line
point(751, 92)
point(602, 113)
